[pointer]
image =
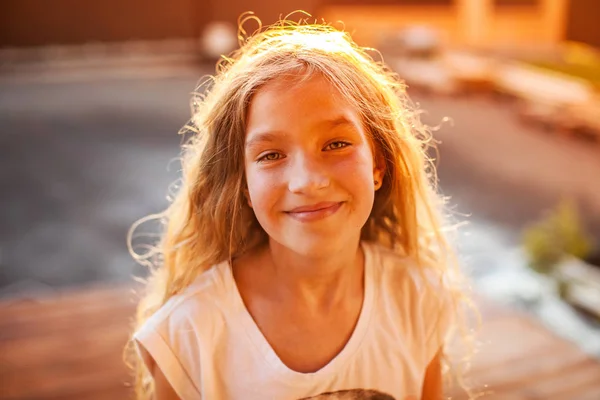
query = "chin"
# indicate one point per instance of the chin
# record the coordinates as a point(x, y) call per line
point(315, 246)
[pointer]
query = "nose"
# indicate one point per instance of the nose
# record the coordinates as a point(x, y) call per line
point(307, 174)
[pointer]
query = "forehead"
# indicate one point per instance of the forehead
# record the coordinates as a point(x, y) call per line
point(293, 103)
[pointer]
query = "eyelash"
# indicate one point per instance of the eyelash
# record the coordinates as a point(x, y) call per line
point(264, 158)
point(345, 144)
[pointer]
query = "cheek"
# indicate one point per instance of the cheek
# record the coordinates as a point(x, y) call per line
point(261, 190)
point(357, 169)
point(355, 175)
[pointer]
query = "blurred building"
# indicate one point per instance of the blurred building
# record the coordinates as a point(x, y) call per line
point(473, 22)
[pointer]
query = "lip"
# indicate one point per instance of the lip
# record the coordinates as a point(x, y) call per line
point(314, 212)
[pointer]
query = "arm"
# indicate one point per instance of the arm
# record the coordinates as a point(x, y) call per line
point(162, 388)
point(433, 387)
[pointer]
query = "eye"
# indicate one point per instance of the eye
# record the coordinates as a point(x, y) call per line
point(270, 157)
point(337, 145)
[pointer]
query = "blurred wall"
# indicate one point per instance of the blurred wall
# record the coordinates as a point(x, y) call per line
point(370, 24)
point(472, 22)
point(478, 22)
point(42, 22)
point(584, 22)
point(542, 22)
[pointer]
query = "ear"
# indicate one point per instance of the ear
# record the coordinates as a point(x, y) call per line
point(377, 179)
point(378, 171)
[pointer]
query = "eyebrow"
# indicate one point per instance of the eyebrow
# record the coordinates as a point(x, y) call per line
point(339, 121)
point(262, 137)
point(270, 136)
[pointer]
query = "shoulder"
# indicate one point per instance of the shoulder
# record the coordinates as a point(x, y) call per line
point(405, 272)
point(174, 337)
point(194, 307)
point(414, 293)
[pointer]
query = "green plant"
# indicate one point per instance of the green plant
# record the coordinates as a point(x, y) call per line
point(560, 233)
point(563, 288)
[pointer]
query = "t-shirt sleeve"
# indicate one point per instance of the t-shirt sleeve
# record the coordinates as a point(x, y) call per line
point(169, 341)
point(438, 313)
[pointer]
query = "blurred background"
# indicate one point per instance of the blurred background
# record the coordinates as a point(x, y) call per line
point(92, 95)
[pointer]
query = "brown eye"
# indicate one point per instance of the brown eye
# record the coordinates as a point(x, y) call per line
point(270, 157)
point(337, 145)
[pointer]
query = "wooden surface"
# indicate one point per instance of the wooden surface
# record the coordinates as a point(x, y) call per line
point(66, 347)
point(70, 346)
point(519, 359)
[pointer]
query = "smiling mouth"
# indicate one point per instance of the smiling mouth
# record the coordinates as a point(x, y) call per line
point(314, 212)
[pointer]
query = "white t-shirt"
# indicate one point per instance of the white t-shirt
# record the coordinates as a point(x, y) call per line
point(208, 346)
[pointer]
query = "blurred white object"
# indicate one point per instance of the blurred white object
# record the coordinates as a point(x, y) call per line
point(219, 38)
point(584, 284)
point(577, 270)
point(465, 65)
point(542, 86)
point(586, 115)
point(420, 39)
point(430, 74)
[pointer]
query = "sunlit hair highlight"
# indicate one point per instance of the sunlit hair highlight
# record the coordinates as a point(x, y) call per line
point(209, 220)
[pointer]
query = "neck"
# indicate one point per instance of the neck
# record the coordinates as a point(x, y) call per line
point(319, 283)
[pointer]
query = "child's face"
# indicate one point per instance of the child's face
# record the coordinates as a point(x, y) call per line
point(309, 166)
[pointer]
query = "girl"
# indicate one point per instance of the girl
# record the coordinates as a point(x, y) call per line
point(303, 256)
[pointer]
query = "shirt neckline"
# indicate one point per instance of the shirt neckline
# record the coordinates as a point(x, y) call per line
point(263, 347)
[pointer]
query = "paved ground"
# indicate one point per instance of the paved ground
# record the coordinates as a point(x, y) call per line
point(80, 161)
point(506, 172)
